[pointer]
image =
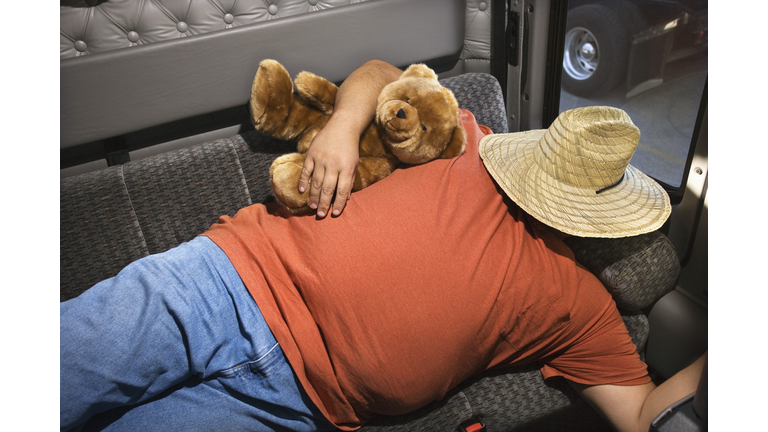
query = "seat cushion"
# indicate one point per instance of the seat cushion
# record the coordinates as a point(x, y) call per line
point(99, 232)
point(637, 270)
point(178, 195)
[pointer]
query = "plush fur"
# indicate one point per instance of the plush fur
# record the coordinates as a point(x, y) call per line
point(417, 120)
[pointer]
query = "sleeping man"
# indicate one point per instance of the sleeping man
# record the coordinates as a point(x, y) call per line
point(271, 322)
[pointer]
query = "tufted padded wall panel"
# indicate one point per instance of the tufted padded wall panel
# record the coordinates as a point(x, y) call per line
point(476, 54)
point(116, 24)
point(110, 93)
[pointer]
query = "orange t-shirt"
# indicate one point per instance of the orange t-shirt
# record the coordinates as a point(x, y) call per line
point(429, 276)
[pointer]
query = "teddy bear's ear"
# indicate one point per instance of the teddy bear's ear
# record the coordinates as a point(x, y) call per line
point(457, 145)
point(419, 71)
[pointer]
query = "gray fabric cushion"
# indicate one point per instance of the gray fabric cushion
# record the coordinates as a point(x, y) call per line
point(481, 94)
point(637, 270)
point(112, 217)
point(638, 327)
point(256, 152)
point(180, 194)
point(513, 399)
point(99, 233)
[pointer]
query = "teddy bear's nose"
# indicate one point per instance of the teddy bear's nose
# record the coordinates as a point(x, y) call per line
point(400, 114)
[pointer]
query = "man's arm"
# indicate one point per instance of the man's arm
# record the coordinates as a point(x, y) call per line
point(332, 158)
point(633, 408)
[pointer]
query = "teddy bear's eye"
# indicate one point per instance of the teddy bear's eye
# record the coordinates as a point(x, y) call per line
point(407, 100)
point(424, 128)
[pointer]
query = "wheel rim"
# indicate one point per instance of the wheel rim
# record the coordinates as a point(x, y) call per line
point(582, 53)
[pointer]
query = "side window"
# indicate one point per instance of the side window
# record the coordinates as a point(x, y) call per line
point(649, 58)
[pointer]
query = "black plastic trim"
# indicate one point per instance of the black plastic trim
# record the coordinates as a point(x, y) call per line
point(558, 17)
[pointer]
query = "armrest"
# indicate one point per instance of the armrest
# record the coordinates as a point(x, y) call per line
point(637, 270)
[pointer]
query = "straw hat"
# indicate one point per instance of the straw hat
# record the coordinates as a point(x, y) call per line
point(575, 176)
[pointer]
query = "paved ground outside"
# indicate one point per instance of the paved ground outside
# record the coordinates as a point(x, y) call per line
point(665, 115)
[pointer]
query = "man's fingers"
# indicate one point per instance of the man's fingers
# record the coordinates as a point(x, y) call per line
point(343, 191)
point(326, 193)
point(306, 173)
point(315, 186)
point(323, 182)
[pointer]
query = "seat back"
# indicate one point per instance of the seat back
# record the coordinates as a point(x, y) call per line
point(114, 216)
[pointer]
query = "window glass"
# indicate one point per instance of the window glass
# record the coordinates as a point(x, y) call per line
point(647, 57)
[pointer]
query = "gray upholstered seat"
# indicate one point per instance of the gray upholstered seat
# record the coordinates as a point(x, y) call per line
point(114, 216)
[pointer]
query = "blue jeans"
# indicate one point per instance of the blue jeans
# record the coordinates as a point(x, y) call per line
point(176, 342)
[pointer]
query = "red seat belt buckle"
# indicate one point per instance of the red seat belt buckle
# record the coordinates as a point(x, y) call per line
point(472, 425)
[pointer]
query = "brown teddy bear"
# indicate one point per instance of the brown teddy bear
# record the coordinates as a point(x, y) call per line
point(417, 120)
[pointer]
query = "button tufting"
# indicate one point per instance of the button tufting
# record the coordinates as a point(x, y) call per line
point(181, 27)
point(312, 2)
point(272, 9)
point(133, 36)
point(482, 6)
point(81, 46)
point(229, 18)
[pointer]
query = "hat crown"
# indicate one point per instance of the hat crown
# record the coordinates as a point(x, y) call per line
point(588, 147)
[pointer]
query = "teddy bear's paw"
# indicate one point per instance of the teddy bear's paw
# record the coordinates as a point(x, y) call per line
point(284, 175)
point(316, 91)
point(271, 97)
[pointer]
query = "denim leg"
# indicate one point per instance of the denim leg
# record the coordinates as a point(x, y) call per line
point(167, 330)
point(225, 404)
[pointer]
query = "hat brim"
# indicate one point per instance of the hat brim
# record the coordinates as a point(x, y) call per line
point(636, 205)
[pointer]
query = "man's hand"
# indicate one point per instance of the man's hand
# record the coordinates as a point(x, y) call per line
point(331, 161)
point(331, 164)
